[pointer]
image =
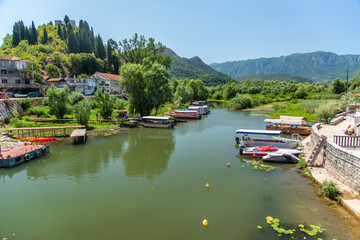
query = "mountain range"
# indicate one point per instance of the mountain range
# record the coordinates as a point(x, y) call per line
point(318, 66)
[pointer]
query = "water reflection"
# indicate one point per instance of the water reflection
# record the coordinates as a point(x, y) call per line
point(148, 152)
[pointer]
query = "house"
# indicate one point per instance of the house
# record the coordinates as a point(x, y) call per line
point(14, 75)
point(107, 82)
point(58, 82)
point(87, 86)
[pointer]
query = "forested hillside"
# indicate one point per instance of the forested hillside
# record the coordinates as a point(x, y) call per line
point(65, 49)
point(195, 68)
point(317, 66)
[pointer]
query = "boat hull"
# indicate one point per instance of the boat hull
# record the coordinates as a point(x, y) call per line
point(178, 116)
point(22, 154)
point(262, 142)
point(158, 125)
point(255, 152)
point(280, 158)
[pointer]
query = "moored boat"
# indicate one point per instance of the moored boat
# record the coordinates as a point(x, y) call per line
point(289, 125)
point(157, 122)
point(280, 157)
point(22, 154)
point(36, 139)
point(185, 114)
point(279, 142)
point(265, 150)
point(202, 110)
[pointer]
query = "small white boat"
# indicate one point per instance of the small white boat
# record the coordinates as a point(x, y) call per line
point(277, 141)
point(157, 122)
point(280, 157)
point(265, 150)
point(202, 110)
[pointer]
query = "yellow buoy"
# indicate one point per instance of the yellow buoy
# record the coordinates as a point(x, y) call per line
point(205, 222)
point(207, 185)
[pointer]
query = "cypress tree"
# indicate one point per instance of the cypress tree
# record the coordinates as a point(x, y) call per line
point(45, 37)
point(16, 36)
point(59, 32)
point(109, 55)
point(72, 43)
point(22, 30)
point(66, 19)
point(99, 48)
point(27, 35)
point(33, 33)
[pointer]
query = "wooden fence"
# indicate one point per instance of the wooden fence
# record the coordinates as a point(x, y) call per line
point(347, 141)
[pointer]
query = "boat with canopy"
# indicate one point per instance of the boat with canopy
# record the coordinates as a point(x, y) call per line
point(276, 140)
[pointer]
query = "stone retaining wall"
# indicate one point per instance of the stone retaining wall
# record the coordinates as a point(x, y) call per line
point(344, 166)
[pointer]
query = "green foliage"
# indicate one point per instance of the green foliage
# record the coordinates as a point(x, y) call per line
point(241, 102)
point(106, 103)
point(183, 93)
point(302, 164)
point(57, 99)
point(85, 63)
point(82, 110)
point(52, 70)
point(327, 110)
point(147, 85)
point(338, 86)
point(76, 97)
point(273, 77)
point(25, 103)
point(36, 111)
point(121, 104)
point(331, 190)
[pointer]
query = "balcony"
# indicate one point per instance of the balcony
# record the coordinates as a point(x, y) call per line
point(19, 85)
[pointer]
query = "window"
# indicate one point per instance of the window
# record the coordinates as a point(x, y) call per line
point(2, 64)
point(17, 81)
point(4, 80)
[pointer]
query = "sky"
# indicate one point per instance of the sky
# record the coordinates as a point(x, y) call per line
point(215, 31)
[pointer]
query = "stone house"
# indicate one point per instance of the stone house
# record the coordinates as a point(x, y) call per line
point(107, 82)
point(14, 75)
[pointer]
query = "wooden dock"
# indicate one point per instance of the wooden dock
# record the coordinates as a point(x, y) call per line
point(59, 131)
point(79, 134)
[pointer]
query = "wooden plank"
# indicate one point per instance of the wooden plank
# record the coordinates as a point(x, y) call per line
point(42, 128)
point(78, 133)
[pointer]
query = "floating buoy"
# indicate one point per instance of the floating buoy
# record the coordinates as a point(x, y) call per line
point(228, 165)
point(159, 133)
point(207, 185)
point(205, 222)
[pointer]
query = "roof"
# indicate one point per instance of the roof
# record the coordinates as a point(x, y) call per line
point(56, 80)
point(113, 77)
point(288, 120)
point(260, 132)
point(12, 59)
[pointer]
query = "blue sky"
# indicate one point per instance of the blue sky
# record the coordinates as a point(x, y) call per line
point(216, 31)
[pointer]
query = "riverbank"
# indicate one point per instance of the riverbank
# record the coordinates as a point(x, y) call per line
point(349, 198)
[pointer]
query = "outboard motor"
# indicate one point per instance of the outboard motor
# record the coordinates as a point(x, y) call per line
point(242, 147)
point(237, 139)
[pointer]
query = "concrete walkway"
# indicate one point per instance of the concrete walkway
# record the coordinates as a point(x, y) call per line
point(349, 198)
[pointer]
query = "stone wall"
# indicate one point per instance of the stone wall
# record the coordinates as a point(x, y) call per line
point(344, 166)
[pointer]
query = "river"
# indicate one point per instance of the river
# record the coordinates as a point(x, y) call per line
point(150, 184)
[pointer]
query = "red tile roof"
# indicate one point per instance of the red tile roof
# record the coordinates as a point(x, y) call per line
point(2, 58)
point(56, 80)
point(112, 77)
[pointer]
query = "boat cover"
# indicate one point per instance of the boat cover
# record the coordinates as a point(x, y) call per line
point(259, 132)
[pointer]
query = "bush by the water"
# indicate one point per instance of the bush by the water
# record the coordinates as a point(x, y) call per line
point(330, 190)
point(241, 102)
point(327, 110)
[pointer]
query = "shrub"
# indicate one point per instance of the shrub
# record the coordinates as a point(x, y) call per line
point(326, 111)
point(76, 97)
point(82, 112)
point(25, 103)
point(330, 190)
point(16, 123)
point(38, 111)
point(302, 163)
point(120, 104)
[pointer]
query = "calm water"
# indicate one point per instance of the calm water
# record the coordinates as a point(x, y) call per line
point(150, 184)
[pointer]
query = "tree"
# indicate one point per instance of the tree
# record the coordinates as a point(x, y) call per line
point(99, 47)
point(135, 50)
point(199, 89)
point(66, 19)
point(52, 70)
point(338, 86)
point(44, 37)
point(57, 99)
point(82, 111)
point(76, 97)
point(183, 94)
point(72, 42)
point(33, 34)
point(106, 103)
point(147, 85)
point(84, 63)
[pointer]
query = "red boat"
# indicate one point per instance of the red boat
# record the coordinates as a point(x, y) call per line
point(265, 150)
point(185, 114)
point(36, 139)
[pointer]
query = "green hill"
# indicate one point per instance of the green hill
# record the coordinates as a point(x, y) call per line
point(195, 68)
point(317, 66)
point(273, 77)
